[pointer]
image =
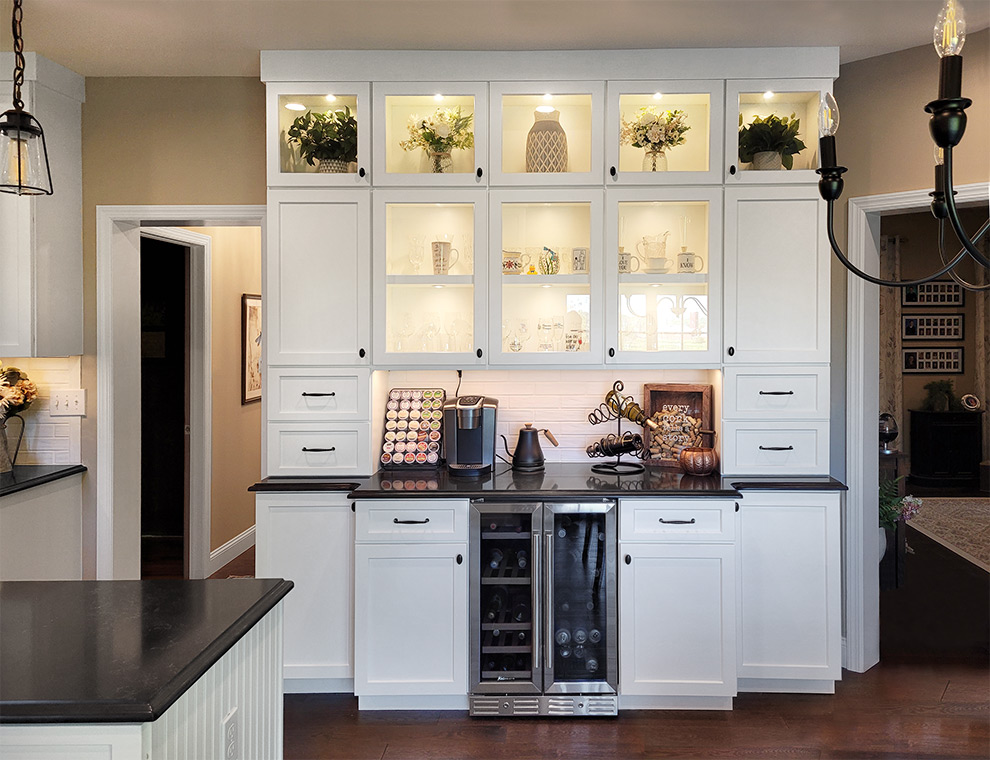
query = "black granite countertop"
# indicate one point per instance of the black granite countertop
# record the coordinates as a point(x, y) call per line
point(117, 651)
point(284, 484)
point(26, 476)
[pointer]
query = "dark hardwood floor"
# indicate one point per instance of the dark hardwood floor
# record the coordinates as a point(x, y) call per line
point(929, 698)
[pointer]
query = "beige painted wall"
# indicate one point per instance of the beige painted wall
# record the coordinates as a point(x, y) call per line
point(883, 138)
point(160, 141)
point(235, 268)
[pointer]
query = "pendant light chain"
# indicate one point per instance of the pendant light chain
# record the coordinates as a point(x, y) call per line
point(15, 24)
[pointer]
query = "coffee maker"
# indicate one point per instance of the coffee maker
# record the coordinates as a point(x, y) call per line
point(469, 434)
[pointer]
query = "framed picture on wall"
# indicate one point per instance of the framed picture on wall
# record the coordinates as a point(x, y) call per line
point(937, 293)
point(932, 361)
point(932, 326)
point(250, 348)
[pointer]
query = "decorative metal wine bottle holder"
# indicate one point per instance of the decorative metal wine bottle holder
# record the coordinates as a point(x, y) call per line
point(619, 444)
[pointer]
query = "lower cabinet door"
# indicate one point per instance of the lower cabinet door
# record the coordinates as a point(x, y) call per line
point(411, 619)
point(677, 620)
point(308, 538)
point(790, 602)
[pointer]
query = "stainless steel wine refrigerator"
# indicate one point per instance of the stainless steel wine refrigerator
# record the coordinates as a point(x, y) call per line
point(543, 596)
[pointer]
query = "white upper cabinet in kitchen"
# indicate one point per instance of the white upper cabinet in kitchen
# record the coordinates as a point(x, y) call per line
point(664, 132)
point(430, 270)
point(431, 133)
point(546, 133)
point(663, 275)
point(771, 130)
point(545, 268)
point(319, 134)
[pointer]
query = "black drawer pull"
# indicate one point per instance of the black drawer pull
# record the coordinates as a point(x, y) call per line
point(612, 171)
point(331, 393)
point(460, 559)
point(677, 522)
point(732, 169)
point(776, 448)
point(776, 393)
point(397, 521)
point(628, 560)
point(332, 448)
point(361, 172)
point(480, 173)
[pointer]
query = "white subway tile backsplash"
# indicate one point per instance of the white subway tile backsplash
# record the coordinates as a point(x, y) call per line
point(48, 440)
point(556, 399)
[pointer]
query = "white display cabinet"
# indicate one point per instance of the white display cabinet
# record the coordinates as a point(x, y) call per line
point(286, 101)
point(664, 304)
point(399, 160)
point(531, 122)
point(545, 274)
point(697, 160)
point(746, 99)
point(430, 286)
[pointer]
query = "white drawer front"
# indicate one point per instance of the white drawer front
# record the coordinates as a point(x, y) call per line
point(411, 520)
point(772, 448)
point(781, 392)
point(319, 449)
point(676, 520)
point(314, 394)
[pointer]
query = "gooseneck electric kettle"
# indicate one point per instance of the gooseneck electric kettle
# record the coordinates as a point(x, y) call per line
point(528, 456)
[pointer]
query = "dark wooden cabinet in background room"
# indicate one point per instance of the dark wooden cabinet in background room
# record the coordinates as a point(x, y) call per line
point(945, 448)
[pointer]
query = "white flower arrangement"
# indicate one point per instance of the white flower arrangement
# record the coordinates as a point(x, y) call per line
point(445, 130)
point(17, 392)
point(654, 129)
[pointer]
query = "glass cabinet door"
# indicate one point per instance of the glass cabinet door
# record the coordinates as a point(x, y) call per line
point(429, 277)
point(431, 133)
point(319, 134)
point(664, 132)
point(663, 279)
point(761, 143)
point(546, 133)
point(544, 270)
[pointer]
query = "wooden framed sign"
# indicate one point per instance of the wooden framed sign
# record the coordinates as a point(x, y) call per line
point(683, 411)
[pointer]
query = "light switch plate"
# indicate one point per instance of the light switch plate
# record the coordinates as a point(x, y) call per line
point(68, 403)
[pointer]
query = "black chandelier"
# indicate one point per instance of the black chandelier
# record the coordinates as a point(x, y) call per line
point(947, 125)
point(23, 154)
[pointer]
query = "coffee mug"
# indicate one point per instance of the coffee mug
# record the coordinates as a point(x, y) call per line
point(514, 262)
point(689, 262)
point(627, 263)
point(444, 257)
point(657, 264)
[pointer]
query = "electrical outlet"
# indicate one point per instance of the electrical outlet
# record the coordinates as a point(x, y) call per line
point(68, 403)
point(229, 730)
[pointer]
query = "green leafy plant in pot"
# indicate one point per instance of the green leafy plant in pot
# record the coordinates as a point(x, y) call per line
point(941, 398)
point(771, 142)
point(326, 140)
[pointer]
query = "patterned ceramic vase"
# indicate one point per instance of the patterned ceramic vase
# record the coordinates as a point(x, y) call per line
point(332, 166)
point(440, 162)
point(766, 160)
point(546, 144)
point(655, 161)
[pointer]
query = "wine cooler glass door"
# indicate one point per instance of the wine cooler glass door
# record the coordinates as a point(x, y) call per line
point(504, 599)
point(579, 561)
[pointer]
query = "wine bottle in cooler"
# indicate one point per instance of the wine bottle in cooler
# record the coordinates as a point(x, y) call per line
point(496, 603)
point(522, 559)
point(563, 634)
point(495, 558)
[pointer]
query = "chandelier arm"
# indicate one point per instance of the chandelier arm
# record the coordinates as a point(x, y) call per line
point(869, 277)
point(952, 272)
point(950, 205)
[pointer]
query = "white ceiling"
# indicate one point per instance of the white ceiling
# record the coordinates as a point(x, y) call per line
point(224, 37)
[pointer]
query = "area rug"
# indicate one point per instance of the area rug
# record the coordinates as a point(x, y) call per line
point(959, 524)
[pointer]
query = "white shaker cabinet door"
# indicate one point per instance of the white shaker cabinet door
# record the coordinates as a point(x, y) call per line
point(411, 619)
point(776, 275)
point(308, 538)
point(318, 277)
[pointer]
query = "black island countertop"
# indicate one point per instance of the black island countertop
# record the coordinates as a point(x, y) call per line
point(117, 651)
point(25, 476)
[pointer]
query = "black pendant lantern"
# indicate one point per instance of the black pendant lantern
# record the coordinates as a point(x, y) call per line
point(23, 154)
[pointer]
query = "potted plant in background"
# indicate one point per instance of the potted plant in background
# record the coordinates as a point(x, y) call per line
point(17, 393)
point(771, 142)
point(894, 511)
point(447, 129)
point(657, 131)
point(328, 140)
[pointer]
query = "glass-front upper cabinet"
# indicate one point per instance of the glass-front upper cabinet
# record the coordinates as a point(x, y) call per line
point(319, 134)
point(431, 133)
point(664, 132)
point(663, 275)
point(546, 133)
point(544, 274)
point(771, 130)
point(429, 277)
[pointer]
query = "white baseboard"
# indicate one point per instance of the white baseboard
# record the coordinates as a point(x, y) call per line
point(230, 550)
point(317, 685)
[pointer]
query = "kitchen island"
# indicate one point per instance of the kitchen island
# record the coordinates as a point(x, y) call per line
point(141, 669)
